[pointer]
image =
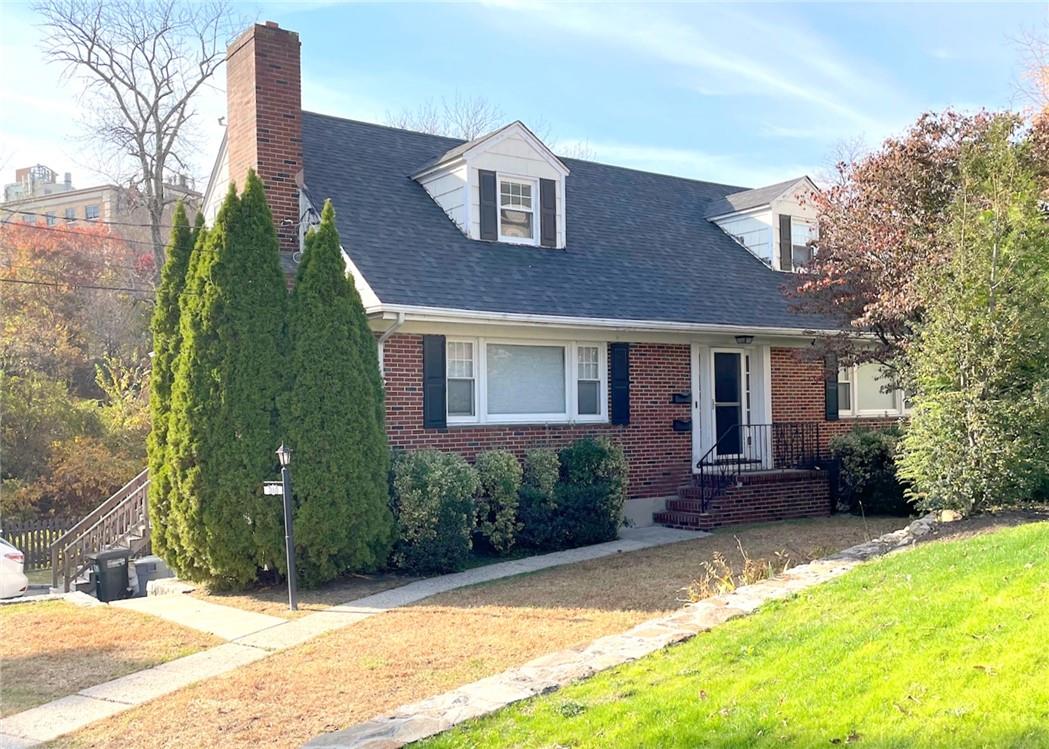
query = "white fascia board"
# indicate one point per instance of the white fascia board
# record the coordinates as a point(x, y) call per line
point(368, 296)
point(741, 214)
point(214, 171)
point(444, 315)
point(433, 172)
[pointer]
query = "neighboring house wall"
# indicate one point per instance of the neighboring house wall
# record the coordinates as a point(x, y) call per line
point(659, 457)
point(799, 392)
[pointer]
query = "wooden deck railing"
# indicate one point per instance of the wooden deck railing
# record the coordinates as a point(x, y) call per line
point(122, 520)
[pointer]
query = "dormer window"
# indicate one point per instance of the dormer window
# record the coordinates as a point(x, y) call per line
point(802, 234)
point(516, 210)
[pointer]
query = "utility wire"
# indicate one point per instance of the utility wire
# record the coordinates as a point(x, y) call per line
point(88, 220)
point(71, 285)
point(85, 236)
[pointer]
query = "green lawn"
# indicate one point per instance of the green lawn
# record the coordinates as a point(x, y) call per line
point(943, 646)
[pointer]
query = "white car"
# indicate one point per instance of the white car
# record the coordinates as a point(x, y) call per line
point(13, 581)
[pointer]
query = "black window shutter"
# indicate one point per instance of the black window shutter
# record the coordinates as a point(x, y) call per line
point(547, 213)
point(435, 411)
point(620, 383)
point(830, 381)
point(489, 219)
point(786, 254)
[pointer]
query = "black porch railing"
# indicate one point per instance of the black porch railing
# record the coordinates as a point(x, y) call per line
point(748, 448)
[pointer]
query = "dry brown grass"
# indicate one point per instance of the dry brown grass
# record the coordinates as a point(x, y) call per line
point(49, 650)
point(273, 599)
point(449, 640)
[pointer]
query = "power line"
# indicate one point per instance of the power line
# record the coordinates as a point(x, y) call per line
point(71, 285)
point(82, 234)
point(89, 220)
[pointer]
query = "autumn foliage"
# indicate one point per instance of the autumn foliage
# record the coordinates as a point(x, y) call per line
point(74, 310)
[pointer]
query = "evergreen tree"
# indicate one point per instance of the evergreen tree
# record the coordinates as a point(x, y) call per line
point(223, 407)
point(332, 417)
point(165, 327)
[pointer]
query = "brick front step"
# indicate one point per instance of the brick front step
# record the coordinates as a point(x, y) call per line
point(758, 496)
point(685, 505)
point(687, 520)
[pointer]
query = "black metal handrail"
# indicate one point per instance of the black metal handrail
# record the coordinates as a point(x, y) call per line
point(747, 448)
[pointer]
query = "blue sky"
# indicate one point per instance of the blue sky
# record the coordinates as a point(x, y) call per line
point(742, 93)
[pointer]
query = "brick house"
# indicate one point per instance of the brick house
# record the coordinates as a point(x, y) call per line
point(520, 299)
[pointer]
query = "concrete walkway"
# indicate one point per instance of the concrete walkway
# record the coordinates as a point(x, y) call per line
point(254, 636)
point(226, 622)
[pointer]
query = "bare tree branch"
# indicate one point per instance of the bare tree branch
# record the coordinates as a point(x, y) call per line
point(141, 63)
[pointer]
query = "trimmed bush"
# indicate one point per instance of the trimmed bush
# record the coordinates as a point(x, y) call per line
point(592, 491)
point(228, 372)
point(332, 417)
point(166, 342)
point(434, 505)
point(499, 474)
point(868, 472)
point(537, 507)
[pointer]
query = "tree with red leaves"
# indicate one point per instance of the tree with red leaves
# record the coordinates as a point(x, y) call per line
point(880, 223)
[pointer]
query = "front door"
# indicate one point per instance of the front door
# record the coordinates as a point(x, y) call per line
point(728, 401)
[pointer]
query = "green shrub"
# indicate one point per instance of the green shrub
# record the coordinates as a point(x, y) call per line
point(434, 505)
point(868, 471)
point(537, 508)
point(499, 474)
point(586, 504)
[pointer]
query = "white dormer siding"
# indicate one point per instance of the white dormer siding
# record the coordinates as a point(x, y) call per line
point(448, 190)
point(516, 157)
point(754, 231)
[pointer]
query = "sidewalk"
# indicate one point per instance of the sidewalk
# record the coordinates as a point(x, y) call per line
point(254, 636)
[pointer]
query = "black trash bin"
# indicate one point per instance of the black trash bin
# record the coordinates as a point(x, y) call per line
point(111, 576)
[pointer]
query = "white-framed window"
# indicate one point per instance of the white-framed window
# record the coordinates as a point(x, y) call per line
point(519, 381)
point(862, 393)
point(91, 212)
point(802, 234)
point(50, 218)
point(462, 380)
point(518, 220)
point(70, 214)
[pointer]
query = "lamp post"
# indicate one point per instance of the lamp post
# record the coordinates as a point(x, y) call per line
point(284, 456)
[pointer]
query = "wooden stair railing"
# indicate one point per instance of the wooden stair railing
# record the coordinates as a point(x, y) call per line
point(122, 520)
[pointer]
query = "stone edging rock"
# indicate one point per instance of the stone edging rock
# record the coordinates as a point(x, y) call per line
point(550, 672)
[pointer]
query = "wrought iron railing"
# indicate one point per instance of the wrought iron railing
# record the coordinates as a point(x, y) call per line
point(748, 448)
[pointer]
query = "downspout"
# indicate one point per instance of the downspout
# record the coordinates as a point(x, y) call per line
point(401, 317)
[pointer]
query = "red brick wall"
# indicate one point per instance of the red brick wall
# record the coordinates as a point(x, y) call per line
point(799, 494)
point(798, 394)
point(660, 458)
point(264, 119)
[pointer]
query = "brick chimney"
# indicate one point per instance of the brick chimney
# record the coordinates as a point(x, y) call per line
point(264, 119)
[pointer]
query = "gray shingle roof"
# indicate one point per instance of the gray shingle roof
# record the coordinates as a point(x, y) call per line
point(639, 247)
point(741, 201)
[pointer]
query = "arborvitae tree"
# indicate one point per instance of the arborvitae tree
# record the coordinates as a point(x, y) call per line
point(165, 326)
point(332, 417)
point(223, 407)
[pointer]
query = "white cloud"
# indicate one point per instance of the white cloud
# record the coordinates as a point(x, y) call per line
point(735, 51)
point(688, 162)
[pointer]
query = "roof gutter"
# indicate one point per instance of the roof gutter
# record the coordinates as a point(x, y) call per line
point(439, 314)
point(397, 323)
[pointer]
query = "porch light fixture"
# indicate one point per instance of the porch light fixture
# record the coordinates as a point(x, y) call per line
point(744, 340)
